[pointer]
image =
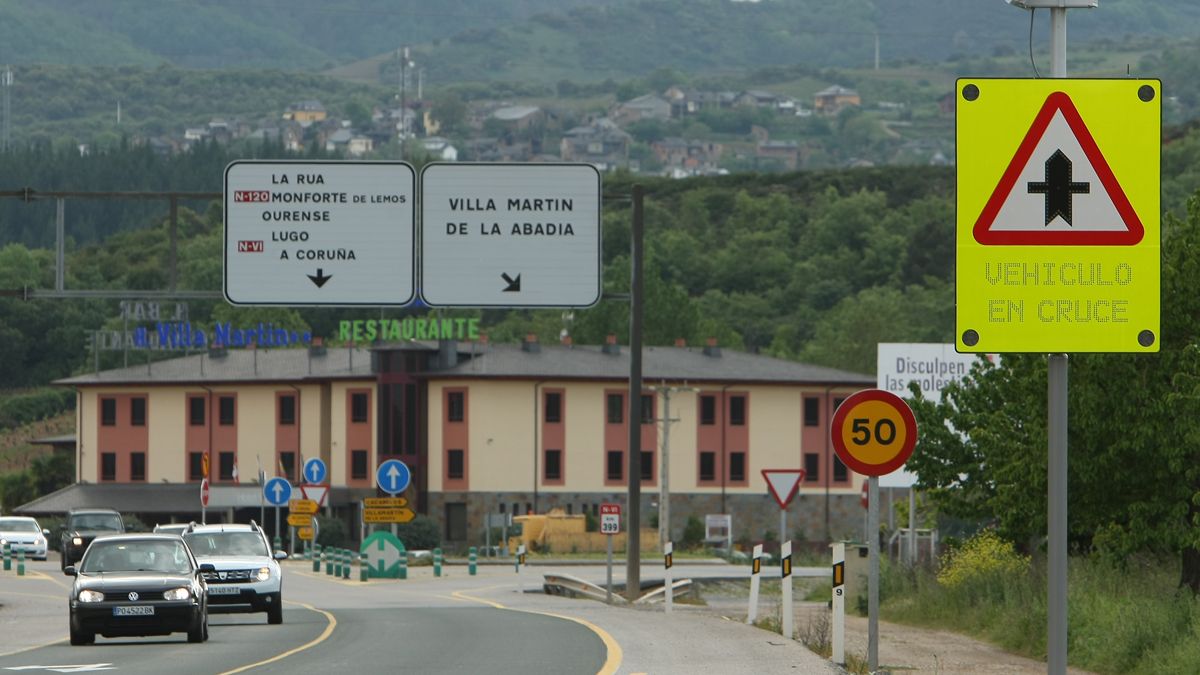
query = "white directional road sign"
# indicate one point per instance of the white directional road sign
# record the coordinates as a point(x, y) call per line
point(510, 235)
point(319, 233)
point(392, 476)
point(314, 470)
point(277, 491)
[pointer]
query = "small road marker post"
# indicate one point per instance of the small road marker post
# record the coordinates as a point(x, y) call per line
point(787, 611)
point(755, 579)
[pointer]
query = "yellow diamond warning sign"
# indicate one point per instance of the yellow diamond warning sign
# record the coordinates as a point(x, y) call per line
point(1058, 215)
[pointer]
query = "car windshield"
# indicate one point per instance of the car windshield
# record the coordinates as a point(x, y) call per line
point(136, 556)
point(96, 521)
point(226, 543)
point(15, 525)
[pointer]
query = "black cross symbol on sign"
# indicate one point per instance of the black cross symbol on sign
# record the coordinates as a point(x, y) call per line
point(1058, 187)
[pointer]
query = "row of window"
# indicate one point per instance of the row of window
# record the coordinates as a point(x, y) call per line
point(226, 462)
point(359, 410)
point(552, 408)
point(137, 466)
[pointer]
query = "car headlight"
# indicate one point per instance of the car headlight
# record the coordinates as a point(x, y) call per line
point(3, 542)
point(264, 573)
point(177, 594)
point(91, 596)
point(77, 541)
point(39, 542)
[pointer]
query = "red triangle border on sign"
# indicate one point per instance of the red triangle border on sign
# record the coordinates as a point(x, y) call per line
point(783, 500)
point(1058, 102)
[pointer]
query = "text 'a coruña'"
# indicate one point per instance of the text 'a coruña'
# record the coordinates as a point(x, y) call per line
point(318, 254)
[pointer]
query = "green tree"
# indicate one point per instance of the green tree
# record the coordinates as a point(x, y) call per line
point(1134, 440)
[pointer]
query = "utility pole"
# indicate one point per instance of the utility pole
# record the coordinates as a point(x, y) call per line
point(6, 81)
point(664, 483)
point(1056, 423)
point(633, 540)
point(403, 99)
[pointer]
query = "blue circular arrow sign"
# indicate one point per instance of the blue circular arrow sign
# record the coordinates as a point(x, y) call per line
point(277, 491)
point(392, 476)
point(314, 470)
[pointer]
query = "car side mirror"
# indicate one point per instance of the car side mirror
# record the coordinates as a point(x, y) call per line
point(207, 568)
point(45, 532)
point(280, 555)
point(70, 571)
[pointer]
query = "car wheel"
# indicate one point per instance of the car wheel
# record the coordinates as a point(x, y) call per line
point(197, 632)
point(275, 610)
point(79, 637)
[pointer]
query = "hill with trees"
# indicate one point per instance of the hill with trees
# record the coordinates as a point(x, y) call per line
point(577, 39)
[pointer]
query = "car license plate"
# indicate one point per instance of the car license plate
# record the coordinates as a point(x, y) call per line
point(135, 610)
point(214, 589)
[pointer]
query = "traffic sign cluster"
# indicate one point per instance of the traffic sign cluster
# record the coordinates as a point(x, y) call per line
point(345, 233)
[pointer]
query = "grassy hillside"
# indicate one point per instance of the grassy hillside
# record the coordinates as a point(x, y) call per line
point(547, 39)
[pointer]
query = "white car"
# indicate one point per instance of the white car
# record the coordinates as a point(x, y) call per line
point(247, 576)
point(24, 534)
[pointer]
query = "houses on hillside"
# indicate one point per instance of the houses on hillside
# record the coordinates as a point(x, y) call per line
point(506, 131)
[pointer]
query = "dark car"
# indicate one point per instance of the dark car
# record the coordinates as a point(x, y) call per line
point(138, 584)
point(84, 525)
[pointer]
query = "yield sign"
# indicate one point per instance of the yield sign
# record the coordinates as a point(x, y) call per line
point(1058, 189)
point(783, 483)
point(316, 493)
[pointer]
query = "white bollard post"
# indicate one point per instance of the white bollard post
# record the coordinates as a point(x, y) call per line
point(752, 612)
point(667, 550)
point(520, 562)
point(839, 604)
point(787, 611)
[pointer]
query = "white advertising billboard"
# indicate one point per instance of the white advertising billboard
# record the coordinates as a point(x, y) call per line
point(931, 366)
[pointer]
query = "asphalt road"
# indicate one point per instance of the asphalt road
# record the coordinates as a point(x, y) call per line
point(495, 622)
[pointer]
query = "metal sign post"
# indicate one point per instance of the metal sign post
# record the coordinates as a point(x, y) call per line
point(610, 524)
point(874, 433)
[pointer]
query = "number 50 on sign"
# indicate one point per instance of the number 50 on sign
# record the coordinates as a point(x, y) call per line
point(874, 432)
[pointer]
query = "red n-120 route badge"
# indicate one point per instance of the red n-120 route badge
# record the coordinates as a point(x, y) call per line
point(874, 432)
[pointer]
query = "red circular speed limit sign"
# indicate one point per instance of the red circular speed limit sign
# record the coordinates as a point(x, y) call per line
point(874, 432)
point(204, 492)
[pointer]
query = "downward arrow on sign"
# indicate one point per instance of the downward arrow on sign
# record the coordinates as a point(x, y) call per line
point(319, 278)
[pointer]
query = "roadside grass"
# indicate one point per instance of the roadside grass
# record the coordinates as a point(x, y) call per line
point(1130, 620)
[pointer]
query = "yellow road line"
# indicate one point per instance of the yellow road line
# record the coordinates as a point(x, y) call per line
point(42, 576)
point(614, 654)
point(336, 580)
point(35, 595)
point(26, 649)
point(332, 623)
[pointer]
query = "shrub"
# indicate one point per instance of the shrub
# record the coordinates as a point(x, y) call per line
point(422, 533)
point(693, 533)
point(35, 405)
point(332, 532)
point(983, 558)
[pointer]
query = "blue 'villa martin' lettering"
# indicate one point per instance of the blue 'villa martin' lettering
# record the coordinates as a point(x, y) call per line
point(182, 335)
